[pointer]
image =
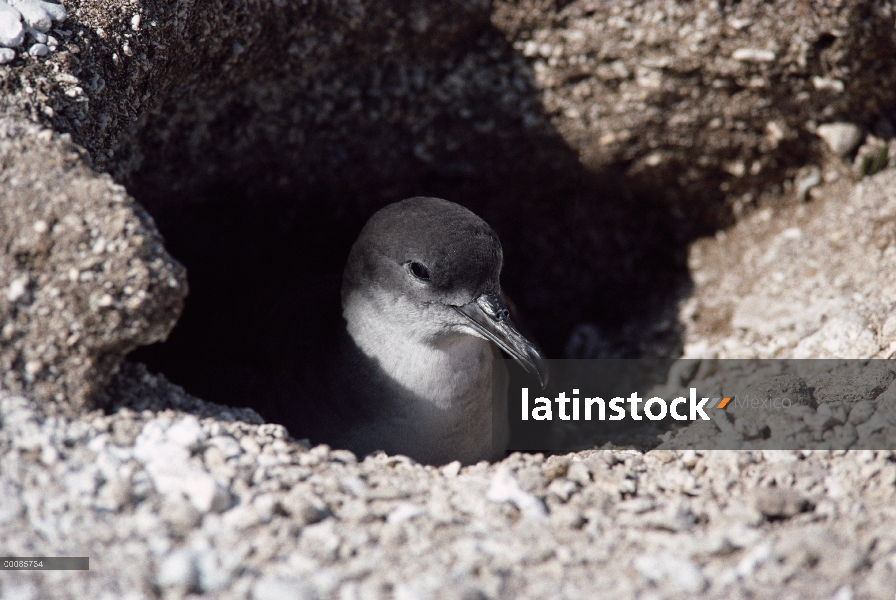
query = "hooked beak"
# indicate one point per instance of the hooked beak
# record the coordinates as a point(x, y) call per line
point(488, 315)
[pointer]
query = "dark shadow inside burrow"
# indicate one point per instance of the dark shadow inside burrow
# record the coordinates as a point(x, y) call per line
point(264, 234)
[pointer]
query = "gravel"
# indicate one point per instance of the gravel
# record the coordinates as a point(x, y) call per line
point(173, 496)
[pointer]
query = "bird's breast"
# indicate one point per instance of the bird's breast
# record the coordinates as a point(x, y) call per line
point(450, 370)
point(454, 375)
point(428, 399)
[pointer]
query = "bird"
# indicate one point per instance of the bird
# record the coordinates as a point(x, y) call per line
point(415, 366)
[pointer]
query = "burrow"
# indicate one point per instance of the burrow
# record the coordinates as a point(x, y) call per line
point(261, 136)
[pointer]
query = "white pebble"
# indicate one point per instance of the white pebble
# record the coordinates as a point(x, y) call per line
point(56, 11)
point(754, 55)
point(505, 488)
point(451, 469)
point(804, 184)
point(40, 38)
point(274, 588)
point(38, 50)
point(17, 288)
point(12, 32)
point(680, 572)
point(105, 300)
point(34, 15)
point(178, 570)
point(7, 55)
point(135, 22)
point(844, 592)
point(841, 138)
point(828, 83)
point(228, 446)
point(186, 433)
point(404, 512)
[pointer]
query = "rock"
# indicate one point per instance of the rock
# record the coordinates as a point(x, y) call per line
point(778, 503)
point(38, 50)
point(505, 488)
point(819, 546)
point(563, 488)
point(844, 592)
point(37, 36)
point(56, 11)
point(451, 469)
point(12, 508)
point(277, 588)
point(828, 83)
point(841, 138)
point(839, 337)
point(754, 55)
point(807, 182)
point(267, 544)
point(779, 312)
point(7, 55)
point(17, 288)
point(178, 512)
point(178, 570)
point(174, 475)
point(186, 433)
point(849, 389)
point(680, 572)
point(12, 32)
point(188, 159)
point(114, 495)
point(228, 446)
point(305, 508)
point(404, 512)
point(860, 412)
point(79, 347)
point(33, 14)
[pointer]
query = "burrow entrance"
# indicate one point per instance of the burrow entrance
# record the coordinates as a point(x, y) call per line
point(264, 207)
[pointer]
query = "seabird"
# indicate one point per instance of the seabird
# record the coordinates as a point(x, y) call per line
point(415, 366)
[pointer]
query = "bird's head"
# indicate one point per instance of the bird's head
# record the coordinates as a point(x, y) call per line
point(432, 269)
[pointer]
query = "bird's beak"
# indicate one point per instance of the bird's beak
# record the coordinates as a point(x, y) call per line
point(488, 315)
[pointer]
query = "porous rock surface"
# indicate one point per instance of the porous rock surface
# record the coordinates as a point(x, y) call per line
point(171, 496)
point(696, 99)
point(84, 278)
point(820, 282)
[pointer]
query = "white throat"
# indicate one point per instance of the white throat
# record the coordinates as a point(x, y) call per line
point(450, 371)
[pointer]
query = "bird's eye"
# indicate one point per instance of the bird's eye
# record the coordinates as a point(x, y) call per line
point(419, 271)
